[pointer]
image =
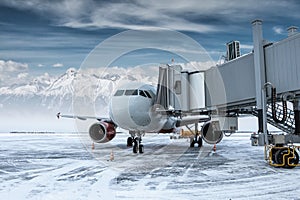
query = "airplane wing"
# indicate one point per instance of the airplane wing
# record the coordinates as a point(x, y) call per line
point(192, 120)
point(59, 115)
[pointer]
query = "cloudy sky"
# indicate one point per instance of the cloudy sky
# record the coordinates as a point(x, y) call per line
point(38, 36)
point(42, 39)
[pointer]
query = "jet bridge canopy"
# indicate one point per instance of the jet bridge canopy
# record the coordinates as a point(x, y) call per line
point(232, 83)
point(283, 64)
point(180, 90)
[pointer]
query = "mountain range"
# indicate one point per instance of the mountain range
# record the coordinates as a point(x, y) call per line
point(58, 93)
point(31, 104)
point(35, 101)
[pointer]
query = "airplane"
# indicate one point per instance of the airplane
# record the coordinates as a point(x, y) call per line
point(133, 107)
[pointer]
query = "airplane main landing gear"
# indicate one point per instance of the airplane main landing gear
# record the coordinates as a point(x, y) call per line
point(196, 140)
point(129, 141)
point(136, 145)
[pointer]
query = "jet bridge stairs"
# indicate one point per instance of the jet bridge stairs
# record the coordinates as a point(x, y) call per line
point(288, 126)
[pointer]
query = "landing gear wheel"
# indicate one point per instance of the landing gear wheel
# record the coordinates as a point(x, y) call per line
point(192, 143)
point(135, 147)
point(288, 157)
point(141, 148)
point(200, 142)
point(129, 142)
point(196, 141)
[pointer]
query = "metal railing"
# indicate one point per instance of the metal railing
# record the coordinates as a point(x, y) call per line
point(288, 125)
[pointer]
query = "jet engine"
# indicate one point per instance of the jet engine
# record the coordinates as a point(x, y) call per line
point(211, 132)
point(102, 132)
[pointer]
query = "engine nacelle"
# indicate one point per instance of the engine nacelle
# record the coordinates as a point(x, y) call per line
point(102, 132)
point(211, 132)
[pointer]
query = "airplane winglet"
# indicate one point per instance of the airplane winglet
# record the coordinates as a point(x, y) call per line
point(58, 115)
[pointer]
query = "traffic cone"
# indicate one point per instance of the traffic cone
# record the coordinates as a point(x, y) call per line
point(93, 146)
point(112, 157)
point(215, 147)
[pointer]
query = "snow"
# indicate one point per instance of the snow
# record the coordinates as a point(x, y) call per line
point(63, 166)
point(99, 78)
point(46, 95)
point(87, 86)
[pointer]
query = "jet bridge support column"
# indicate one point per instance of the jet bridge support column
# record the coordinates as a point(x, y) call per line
point(259, 69)
point(297, 116)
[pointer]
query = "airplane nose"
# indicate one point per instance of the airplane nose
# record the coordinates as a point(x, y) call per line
point(139, 113)
point(130, 112)
point(119, 112)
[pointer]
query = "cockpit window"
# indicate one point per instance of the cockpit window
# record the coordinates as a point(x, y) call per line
point(131, 92)
point(148, 94)
point(142, 93)
point(119, 93)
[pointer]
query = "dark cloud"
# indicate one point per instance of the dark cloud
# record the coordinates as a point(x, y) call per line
point(64, 31)
point(194, 15)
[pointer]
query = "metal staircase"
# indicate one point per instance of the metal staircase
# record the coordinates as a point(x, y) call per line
point(288, 126)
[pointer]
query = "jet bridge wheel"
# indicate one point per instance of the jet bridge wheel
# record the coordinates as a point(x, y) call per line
point(286, 155)
point(274, 151)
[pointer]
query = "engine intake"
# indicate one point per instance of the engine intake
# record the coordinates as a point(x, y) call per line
point(102, 132)
point(211, 132)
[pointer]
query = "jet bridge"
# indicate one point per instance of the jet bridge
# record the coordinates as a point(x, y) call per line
point(259, 83)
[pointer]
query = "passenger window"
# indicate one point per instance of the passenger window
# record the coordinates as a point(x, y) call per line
point(119, 93)
point(131, 92)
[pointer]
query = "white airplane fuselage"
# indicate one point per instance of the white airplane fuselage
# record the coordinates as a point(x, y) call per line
point(133, 108)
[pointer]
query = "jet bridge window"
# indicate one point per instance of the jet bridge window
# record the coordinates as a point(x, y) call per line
point(119, 93)
point(177, 87)
point(131, 92)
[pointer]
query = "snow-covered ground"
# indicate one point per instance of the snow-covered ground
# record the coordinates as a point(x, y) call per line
point(59, 166)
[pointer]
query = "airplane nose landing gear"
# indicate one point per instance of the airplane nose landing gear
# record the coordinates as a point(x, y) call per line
point(135, 142)
point(137, 146)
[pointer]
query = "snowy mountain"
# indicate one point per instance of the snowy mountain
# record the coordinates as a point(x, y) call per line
point(32, 103)
point(89, 84)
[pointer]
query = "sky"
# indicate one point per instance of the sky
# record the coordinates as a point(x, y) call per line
point(42, 39)
point(38, 36)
